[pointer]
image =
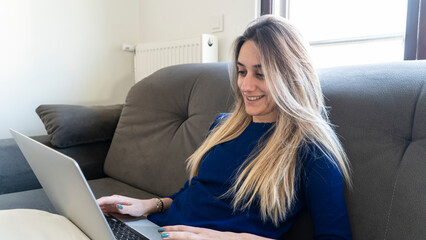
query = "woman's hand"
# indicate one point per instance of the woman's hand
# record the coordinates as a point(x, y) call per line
point(191, 233)
point(125, 205)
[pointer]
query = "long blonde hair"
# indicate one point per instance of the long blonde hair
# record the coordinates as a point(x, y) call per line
point(268, 174)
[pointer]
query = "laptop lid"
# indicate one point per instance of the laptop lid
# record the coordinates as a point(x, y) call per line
point(65, 186)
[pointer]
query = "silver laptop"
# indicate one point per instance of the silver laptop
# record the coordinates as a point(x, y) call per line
point(67, 189)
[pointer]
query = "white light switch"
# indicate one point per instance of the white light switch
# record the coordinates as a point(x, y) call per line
point(216, 23)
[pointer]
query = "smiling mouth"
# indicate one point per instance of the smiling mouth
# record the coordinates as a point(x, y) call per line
point(254, 98)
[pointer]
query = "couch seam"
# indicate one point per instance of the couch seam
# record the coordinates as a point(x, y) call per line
point(197, 78)
point(393, 192)
point(415, 109)
point(391, 203)
point(191, 91)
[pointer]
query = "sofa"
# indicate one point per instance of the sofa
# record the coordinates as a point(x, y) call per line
point(139, 149)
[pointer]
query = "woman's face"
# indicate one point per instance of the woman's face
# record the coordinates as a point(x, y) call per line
point(252, 84)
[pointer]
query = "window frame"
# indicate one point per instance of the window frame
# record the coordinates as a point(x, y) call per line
point(268, 7)
point(415, 34)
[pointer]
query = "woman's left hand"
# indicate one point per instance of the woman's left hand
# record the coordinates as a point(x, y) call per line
point(192, 233)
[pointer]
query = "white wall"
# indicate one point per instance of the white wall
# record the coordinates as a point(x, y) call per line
point(163, 20)
point(63, 51)
point(69, 51)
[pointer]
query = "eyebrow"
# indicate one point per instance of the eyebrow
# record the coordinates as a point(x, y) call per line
point(255, 66)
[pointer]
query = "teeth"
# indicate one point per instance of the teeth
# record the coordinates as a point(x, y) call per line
point(254, 98)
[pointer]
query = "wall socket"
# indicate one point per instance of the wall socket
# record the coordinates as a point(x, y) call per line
point(128, 48)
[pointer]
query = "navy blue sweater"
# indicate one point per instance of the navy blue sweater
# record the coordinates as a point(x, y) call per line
point(201, 204)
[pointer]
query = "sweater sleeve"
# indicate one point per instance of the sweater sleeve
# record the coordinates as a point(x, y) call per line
point(325, 197)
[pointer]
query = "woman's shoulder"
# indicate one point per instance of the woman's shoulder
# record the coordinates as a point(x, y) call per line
point(222, 116)
point(219, 119)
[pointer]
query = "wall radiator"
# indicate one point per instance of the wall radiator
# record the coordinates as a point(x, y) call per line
point(149, 57)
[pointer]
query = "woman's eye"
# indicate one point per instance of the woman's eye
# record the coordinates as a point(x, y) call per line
point(260, 75)
point(242, 73)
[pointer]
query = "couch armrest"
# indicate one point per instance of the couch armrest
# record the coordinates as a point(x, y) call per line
point(16, 174)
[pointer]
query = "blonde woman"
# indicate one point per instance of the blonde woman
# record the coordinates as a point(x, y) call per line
point(260, 165)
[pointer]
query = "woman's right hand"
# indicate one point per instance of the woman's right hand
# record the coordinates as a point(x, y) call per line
point(125, 205)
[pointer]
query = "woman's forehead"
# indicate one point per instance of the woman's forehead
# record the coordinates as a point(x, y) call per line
point(249, 55)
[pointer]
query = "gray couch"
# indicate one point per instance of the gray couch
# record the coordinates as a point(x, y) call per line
point(379, 112)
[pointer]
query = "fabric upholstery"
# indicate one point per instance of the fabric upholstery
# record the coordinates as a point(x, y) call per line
point(380, 114)
point(164, 119)
point(16, 174)
point(31, 199)
point(37, 225)
point(70, 125)
point(109, 186)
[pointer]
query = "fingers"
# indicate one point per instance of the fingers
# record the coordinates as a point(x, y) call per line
point(195, 233)
point(183, 232)
point(125, 209)
point(114, 199)
point(116, 208)
point(179, 235)
point(123, 205)
point(109, 209)
point(183, 228)
point(113, 204)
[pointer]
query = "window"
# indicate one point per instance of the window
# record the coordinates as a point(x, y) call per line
point(347, 32)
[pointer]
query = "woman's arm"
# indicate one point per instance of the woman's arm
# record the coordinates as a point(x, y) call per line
point(131, 206)
point(325, 199)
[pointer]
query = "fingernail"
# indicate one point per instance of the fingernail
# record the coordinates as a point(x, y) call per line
point(164, 235)
point(120, 207)
point(160, 229)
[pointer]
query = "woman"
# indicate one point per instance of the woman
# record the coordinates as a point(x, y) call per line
point(274, 155)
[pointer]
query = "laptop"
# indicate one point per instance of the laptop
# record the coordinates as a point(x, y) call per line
point(70, 194)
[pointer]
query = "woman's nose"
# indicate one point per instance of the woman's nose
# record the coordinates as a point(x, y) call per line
point(248, 83)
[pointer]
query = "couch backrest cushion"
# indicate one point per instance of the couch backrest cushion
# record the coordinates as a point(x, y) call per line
point(380, 113)
point(165, 118)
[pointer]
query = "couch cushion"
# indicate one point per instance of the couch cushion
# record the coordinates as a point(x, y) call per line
point(70, 125)
point(407, 214)
point(380, 115)
point(37, 225)
point(164, 119)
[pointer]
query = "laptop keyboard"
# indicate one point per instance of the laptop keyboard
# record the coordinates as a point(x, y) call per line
point(123, 232)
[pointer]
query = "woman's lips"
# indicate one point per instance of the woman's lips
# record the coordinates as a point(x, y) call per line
point(254, 98)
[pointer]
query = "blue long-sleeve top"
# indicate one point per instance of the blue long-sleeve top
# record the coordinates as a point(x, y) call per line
point(202, 204)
